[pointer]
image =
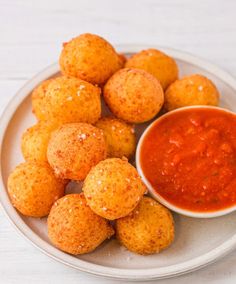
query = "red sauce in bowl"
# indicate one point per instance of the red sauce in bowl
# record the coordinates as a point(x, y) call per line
point(189, 157)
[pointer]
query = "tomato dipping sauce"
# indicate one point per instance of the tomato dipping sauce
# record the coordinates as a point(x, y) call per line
point(189, 158)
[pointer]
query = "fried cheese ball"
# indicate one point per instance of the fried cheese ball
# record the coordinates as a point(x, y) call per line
point(69, 99)
point(34, 141)
point(191, 90)
point(119, 136)
point(74, 228)
point(160, 65)
point(133, 95)
point(113, 188)
point(33, 188)
point(74, 149)
point(148, 229)
point(39, 104)
point(89, 57)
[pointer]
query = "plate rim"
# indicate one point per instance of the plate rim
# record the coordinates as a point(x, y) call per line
point(86, 266)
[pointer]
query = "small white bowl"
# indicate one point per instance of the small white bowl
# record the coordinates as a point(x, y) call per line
point(154, 193)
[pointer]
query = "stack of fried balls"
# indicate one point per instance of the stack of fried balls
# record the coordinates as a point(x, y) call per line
point(72, 141)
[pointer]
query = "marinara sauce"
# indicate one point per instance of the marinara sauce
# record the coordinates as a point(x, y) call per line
point(189, 157)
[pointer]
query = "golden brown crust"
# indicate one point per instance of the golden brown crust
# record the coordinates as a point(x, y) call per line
point(133, 95)
point(70, 99)
point(34, 141)
point(148, 229)
point(113, 188)
point(74, 148)
point(119, 136)
point(39, 100)
point(191, 90)
point(33, 188)
point(89, 57)
point(157, 63)
point(74, 228)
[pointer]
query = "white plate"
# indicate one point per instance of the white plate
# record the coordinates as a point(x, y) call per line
point(198, 242)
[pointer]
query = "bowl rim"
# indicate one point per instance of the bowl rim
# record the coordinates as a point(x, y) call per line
point(154, 193)
point(85, 266)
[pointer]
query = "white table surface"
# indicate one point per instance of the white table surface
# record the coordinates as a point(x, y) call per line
point(31, 34)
